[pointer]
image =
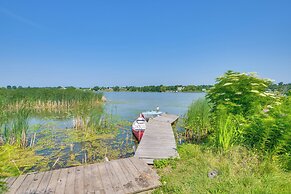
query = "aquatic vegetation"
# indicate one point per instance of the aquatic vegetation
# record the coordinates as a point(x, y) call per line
point(14, 128)
point(197, 121)
point(18, 105)
point(15, 161)
point(48, 98)
point(88, 117)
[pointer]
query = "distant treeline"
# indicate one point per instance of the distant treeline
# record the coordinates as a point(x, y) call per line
point(160, 88)
point(283, 88)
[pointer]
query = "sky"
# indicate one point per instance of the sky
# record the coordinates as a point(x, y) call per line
point(142, 42)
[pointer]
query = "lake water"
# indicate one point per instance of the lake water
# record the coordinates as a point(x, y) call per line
point(128, 105)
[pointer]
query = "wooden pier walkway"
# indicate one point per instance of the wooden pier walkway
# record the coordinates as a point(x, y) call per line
point(129, 175)
point(158, 141)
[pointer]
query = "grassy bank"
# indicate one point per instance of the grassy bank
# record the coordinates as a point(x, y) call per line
point(240, 137)
point(239, 171)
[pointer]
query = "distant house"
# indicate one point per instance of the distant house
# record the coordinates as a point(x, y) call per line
point(179, 89)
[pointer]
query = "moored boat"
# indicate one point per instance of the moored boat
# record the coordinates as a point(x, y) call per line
point(151, 114)
point(138, 127)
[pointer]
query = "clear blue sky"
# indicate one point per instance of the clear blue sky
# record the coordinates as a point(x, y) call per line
point(142, 42)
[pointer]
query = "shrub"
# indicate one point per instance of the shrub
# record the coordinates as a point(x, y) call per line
point(241, 93)
point(270, 132)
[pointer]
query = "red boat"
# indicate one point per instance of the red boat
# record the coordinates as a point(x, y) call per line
point(138, 127)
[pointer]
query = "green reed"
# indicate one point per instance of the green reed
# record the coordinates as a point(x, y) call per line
point(17, 105)
point(197, 121)
point(48, 98)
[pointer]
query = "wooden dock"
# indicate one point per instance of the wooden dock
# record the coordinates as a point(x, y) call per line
point(129, 175)
point(158, 141)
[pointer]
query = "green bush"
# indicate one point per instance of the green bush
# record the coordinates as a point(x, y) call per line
point(270, 132)
point(251, 116)
point(241, 93)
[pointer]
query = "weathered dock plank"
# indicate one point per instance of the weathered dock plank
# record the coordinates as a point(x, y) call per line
point(106, 182)
point(44, 182)
point(70, 186)
point(25, 184)
point(35, 183)
point(129, 175)
point(79, 180)
point(61, 184)
point(16, 184)
point(158, 141)
point(53, 181)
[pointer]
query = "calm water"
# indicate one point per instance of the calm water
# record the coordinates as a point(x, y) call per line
point(127, 105)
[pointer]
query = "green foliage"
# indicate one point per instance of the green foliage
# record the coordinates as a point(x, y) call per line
point(19, 127)
point(40, 95)
point(88, 117)
point(251, 116)
point(227, 130)
point(18, 105)
point(239, 171)
point(197, 120)
point(3, 187)
point(116, 89)
point(281, 87)
point(164, 163)
point(270, 132)
point(245, 112)
point(14, 160)
point(241, 93)
point(189, 88)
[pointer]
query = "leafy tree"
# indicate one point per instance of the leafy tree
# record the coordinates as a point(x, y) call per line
point(190, 88)
point(96, 88)
point(116, 88)
point(163, 88)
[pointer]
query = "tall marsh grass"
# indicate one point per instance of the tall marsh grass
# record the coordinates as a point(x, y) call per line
point(197, 121)
point(13, 129)
point(47, 98)
point(88, 117)
point(17, 105)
